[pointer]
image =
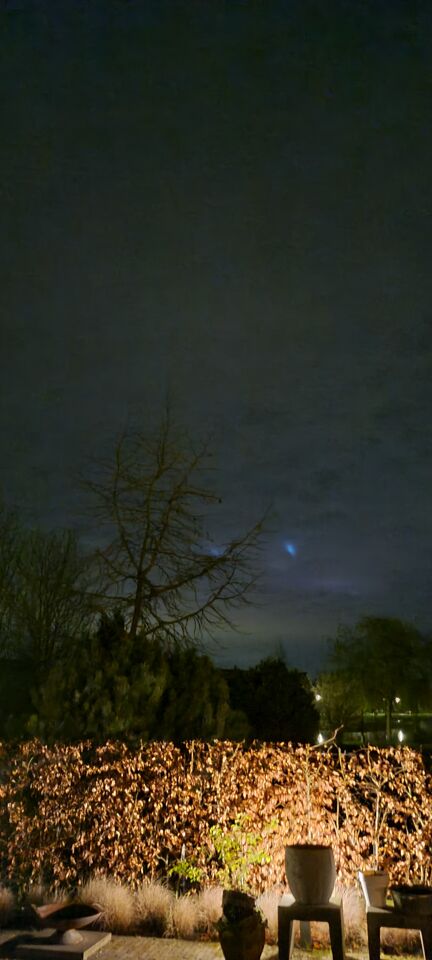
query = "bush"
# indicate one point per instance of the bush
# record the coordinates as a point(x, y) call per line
point(70, 812)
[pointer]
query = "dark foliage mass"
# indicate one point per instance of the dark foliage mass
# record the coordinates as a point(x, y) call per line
point(111, 685)
point(378, 664)
point(278, 702)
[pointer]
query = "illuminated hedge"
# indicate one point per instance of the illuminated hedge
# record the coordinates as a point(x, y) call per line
point(71, 811)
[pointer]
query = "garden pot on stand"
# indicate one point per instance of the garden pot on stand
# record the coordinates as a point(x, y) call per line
point(311, 872)
point(374, 884)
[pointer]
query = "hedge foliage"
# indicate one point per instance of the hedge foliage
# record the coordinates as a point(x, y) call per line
point(67, 812)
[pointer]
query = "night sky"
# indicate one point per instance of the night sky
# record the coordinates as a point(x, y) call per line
point(230, 203)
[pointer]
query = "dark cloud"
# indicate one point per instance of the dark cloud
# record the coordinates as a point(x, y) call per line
point(232, 206)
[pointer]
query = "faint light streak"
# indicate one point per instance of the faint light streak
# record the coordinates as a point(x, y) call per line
point(290, 548)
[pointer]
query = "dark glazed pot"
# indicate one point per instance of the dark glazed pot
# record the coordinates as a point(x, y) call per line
point(241, 928)
point(311, 872)
point(245, 941)
point(413, 899)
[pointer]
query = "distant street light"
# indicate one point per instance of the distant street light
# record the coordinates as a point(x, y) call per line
point(320, 738)
point(318, 696)
point(397, 699)
point(401, 736)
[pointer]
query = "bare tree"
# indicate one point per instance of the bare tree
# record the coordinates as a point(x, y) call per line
point(159, 564)
point(51, 607)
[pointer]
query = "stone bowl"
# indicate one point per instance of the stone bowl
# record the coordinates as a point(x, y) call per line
point(66, 915)
point(414, 899)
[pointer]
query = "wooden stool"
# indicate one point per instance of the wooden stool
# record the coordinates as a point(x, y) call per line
point(378, 917)
point(331, 913)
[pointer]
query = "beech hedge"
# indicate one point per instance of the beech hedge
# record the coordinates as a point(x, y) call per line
point(70, 812)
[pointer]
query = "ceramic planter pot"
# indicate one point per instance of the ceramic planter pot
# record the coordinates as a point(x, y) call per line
point(311, 872)
point(374, 884)
point(243, 940)
point(241, 928)
point(412, 898)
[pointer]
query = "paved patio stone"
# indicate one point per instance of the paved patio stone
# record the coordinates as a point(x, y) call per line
point(145, 948)
point(158, 948)
point(150, 948)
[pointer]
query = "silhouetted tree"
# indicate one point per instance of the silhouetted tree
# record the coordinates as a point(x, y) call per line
point(105, 688)
point(112, 686)
point(51, 604)
point(159, 563)
point(196, 701)
point(279, 702)
point(388, 657)
point(342, 699)
point(43, 590)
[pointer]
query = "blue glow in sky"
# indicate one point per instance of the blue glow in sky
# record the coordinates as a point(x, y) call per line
point(290, 548)
point(216, 551)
